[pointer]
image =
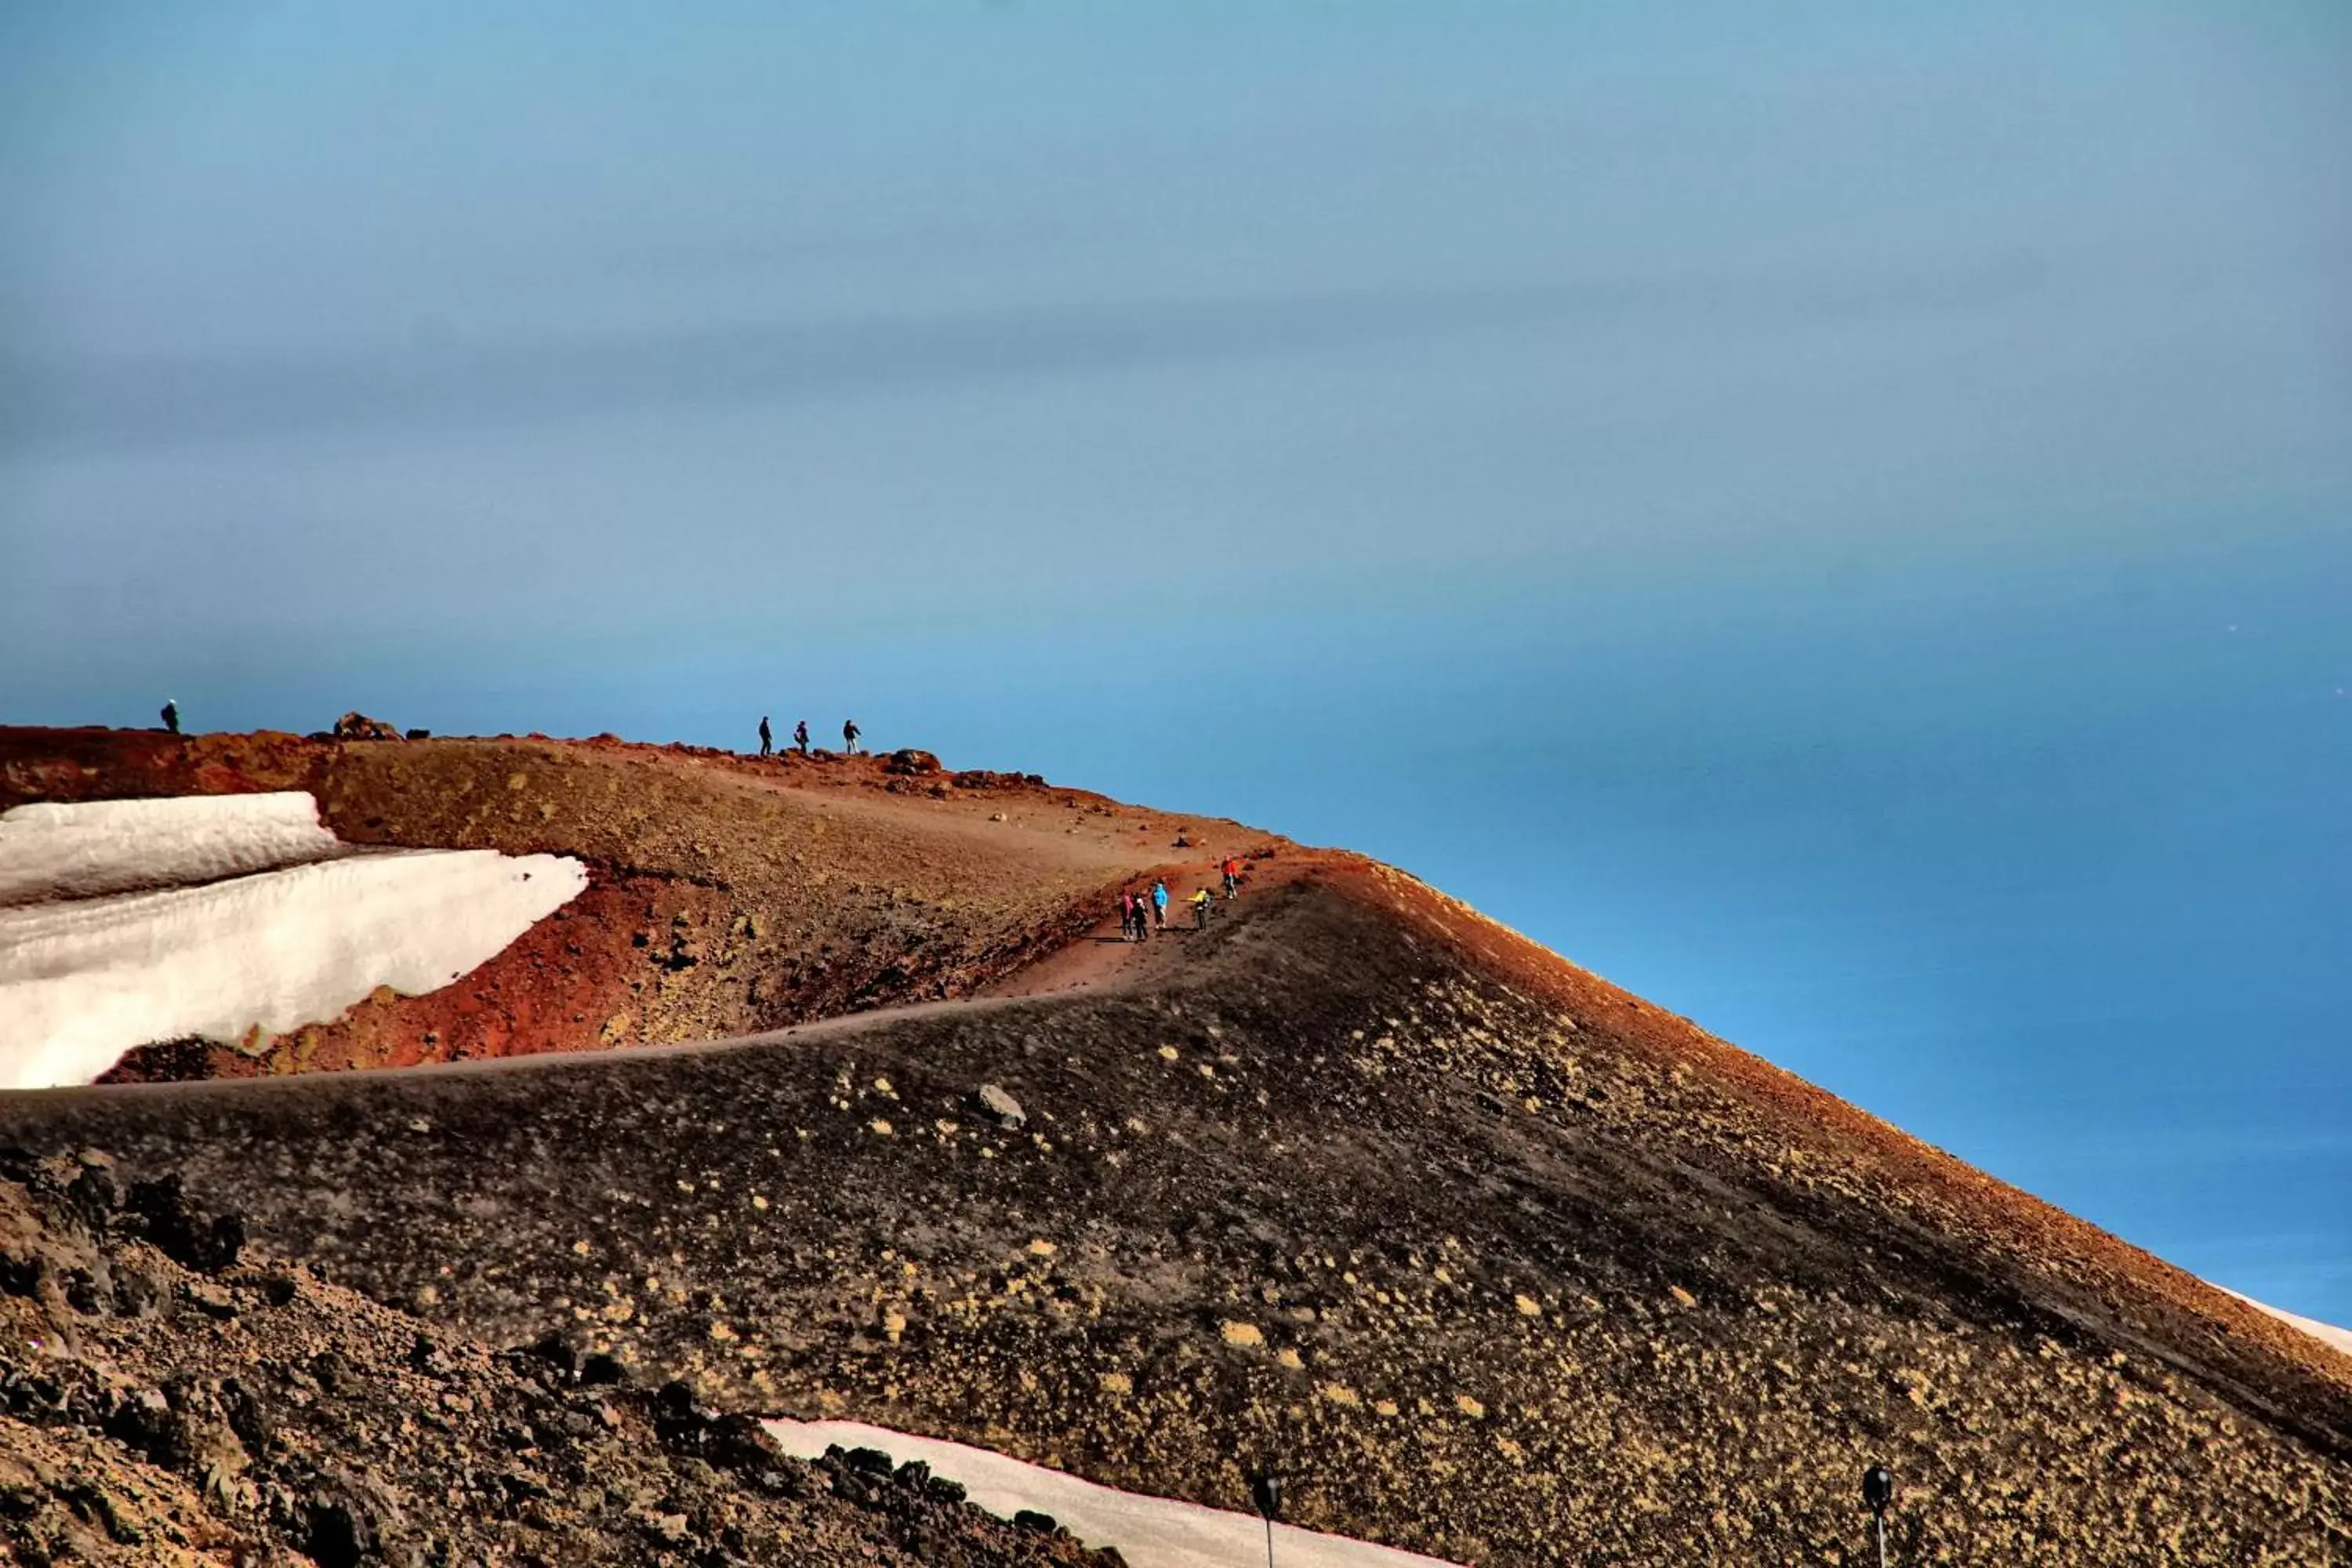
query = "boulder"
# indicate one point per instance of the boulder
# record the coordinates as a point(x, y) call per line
point(906, 760)
point(358, 726)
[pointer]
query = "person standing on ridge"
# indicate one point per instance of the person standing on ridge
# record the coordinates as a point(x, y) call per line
point(849, 733)
point(1232, 871)
point(1158, 903)
point(170, 716)
point(800, 736)
point(1200, 902)
point(766, 738)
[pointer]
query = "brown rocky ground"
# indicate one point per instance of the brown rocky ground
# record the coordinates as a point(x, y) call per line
point(1493, 1259)
point(167, 1396)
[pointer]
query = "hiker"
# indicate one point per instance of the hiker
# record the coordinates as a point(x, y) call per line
point(849, 733)
point(800, 736)
point(766, 738)
point(170, 716)
point(1200, 909)
point(1158, 903)
point(1130, 922)
point(1232, 870)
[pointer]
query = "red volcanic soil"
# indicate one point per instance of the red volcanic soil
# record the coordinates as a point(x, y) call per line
point(728, 894)
point(1492, 1258)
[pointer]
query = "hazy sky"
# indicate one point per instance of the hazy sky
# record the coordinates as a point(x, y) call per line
point(1839, 518)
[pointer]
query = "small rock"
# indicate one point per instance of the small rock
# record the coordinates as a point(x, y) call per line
point(212, 1300)
point(182, 1232)
point(1003, 1106)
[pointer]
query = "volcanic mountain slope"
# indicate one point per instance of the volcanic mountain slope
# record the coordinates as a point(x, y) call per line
point(1492, 1260)
point(728, 894)
point(167, 1396)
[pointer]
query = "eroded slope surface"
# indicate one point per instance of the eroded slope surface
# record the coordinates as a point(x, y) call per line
point(728, 894)
point(1495, 1261)
point(168, 1395)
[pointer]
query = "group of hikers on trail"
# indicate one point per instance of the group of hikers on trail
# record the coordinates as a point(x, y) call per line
point(1140, 913)
point(849, 733)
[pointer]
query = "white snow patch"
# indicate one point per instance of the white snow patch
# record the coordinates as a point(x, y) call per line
point(2325, 1333)
point(86, 850)
point(1150, 1532)
point(84, 980)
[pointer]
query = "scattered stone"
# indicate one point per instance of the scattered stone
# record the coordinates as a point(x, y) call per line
point(1000, 1104)
point(183, 1234)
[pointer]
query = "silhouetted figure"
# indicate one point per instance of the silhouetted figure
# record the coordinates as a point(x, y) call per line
point(766, 738)
point(849, 733)
point(1266, 1491)
point(170, 716)
point(800, 736)
point(1877, 1493)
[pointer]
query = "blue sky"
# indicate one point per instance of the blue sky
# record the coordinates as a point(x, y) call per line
point(1840, 519)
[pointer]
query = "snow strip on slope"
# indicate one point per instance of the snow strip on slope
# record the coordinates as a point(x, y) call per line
point(2325, 1333)
point(91, 849)
point(84, 980)
point(1150, 1532)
